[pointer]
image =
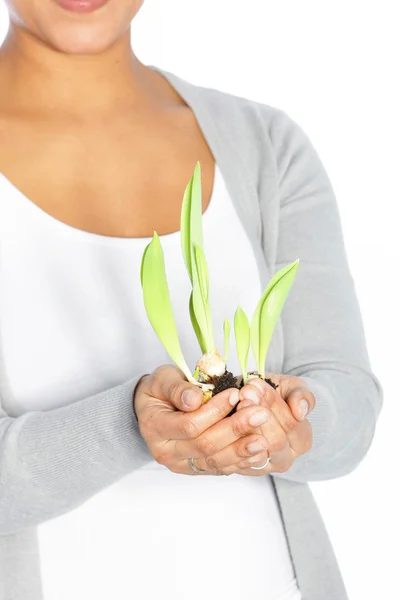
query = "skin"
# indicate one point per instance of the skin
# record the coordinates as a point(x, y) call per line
point(89, 134)
point(220, 445)
point(103, 143)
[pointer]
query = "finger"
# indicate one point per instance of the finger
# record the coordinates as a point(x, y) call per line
point(276, 404)
point(258, 460)
point(189, 426)
point(284, 432)
point(247, 471)
point(301, 402)
point(276, 434)
point(280, 462)
point(235, 453)
point(243, 468)
point(170, 384)
point(283, 462)
point(301, 440)
point(252, 394)
point(222, 434)
point(288, 413)
point(182, 467)
point(296, 386)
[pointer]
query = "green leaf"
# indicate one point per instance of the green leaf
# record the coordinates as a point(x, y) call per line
point(191, 219)
point(268, 311)
point(242, 334)
point(185, 227)
point(227, 333)
point(195, 326)
point(201, 306)
point(196, 264)
point(202, 271)
point(157, 302)
point(143, 261)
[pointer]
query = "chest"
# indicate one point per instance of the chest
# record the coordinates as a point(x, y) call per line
point(73, 319)
point(124, 177)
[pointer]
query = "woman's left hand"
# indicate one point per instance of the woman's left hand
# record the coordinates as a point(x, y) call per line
point(288, 431)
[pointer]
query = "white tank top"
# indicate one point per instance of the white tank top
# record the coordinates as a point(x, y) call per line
point(73, 324)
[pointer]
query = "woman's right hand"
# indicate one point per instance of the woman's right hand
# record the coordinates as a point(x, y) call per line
point(176, 425)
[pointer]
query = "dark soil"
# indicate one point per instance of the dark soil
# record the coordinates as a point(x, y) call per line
point(271, 383)
point(267, 380)
point(224, 382)
point(228, 380)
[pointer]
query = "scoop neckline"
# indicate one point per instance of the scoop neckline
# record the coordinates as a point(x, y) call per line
point(88, 236)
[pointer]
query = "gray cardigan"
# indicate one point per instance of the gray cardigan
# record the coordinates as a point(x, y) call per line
point(53, 461)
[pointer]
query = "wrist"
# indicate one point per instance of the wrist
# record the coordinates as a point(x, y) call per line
point(135, 394)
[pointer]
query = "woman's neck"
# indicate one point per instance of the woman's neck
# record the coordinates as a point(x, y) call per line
point(38, 78)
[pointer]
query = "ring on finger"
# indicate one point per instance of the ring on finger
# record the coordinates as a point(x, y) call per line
point(263, 467)
point(193, 466)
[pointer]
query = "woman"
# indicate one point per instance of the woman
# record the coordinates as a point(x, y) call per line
point(95, 152)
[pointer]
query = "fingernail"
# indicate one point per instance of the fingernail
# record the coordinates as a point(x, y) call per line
point(189, 398)
point(258, 418)
point(255, 447)
point(234, 397)
point(257, 383)
point(249, 394)
point(304, 408)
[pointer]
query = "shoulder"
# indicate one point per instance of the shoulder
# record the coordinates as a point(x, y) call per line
point(276, 149)
point(269, 127)
point(250, 113)
point(262, 131)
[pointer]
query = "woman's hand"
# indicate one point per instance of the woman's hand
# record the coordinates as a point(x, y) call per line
point(177, 427)
point(287, 430)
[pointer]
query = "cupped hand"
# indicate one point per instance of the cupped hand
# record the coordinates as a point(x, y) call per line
point(176, 426)
point(287, 430)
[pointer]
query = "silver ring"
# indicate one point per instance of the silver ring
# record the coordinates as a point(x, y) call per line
point(193, 466)
point(263, 467)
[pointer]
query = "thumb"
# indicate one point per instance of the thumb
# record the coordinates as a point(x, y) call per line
point(175, 389)
point(187, 397)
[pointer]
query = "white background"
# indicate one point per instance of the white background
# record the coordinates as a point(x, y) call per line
point(333, 67)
